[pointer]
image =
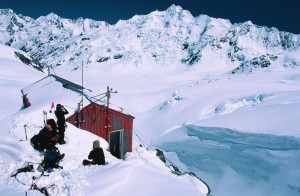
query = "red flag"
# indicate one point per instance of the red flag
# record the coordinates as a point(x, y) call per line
point(52, 105)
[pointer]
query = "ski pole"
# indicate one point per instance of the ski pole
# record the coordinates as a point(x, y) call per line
point(44, 118)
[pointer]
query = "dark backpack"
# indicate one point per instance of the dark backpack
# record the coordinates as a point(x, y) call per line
point(36, 143)
point(51, 160)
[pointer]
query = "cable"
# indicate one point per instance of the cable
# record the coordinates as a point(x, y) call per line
point(70, 107)
point(143, 140)
point(174, 167)
point(139, 139)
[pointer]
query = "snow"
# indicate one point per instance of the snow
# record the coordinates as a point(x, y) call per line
point(142, 173)
point(12, 79)
point(238, 132)
point(262, 164)
point(231, 131)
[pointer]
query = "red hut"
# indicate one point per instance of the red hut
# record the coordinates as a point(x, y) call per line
point(107, 123)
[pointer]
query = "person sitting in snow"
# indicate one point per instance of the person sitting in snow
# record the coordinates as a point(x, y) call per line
point(45, 139)
point(96, 155)
point(60, 113)
point(53, 125)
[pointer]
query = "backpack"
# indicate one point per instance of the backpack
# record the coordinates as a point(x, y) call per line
point(36, 143)
point(51, 160)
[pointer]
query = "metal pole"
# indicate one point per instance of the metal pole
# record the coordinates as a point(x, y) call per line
point(78, 116)
point(82, 83)
point(107, 110)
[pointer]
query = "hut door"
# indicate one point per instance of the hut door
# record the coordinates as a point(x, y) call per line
point(117, 143)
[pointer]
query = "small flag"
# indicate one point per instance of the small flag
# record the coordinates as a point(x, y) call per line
point(52, 107)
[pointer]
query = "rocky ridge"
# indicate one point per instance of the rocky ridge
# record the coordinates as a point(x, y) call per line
point(168, 38)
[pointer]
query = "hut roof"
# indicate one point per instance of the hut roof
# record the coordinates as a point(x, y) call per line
point(51, 78)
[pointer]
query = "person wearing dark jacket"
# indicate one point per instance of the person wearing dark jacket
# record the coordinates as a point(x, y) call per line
point(45, 139)
point(60, 113)
point(96, 155)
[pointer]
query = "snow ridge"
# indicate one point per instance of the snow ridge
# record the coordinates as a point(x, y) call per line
point(168, 39)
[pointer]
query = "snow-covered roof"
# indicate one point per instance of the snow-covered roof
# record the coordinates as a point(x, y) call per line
point(53, 88)
point(53, 79)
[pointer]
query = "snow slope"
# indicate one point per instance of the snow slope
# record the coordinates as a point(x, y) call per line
point(221, 100)
point(264, 102)
point(16, 77)
point(258, 113)
point(142, 173)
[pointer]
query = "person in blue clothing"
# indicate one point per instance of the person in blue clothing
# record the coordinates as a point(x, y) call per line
point(60, 113)
point(96, 155)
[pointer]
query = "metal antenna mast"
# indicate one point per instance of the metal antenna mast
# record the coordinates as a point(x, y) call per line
point(80, 104)
point(82, 83)
point(108, 92)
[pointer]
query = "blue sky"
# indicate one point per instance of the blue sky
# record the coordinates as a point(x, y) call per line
point(282, 14)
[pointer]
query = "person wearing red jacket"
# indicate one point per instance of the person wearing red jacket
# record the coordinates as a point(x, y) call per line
point(46, 139)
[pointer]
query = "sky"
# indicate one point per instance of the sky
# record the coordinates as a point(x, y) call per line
point(281, 14)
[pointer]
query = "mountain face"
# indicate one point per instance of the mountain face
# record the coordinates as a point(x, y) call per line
point(168, 38)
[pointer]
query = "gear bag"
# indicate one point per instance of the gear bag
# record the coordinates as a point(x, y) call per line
point(51, 160)
point(35, 142)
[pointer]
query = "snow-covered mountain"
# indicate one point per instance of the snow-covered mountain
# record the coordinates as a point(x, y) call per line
point(167, 39)
point(182, 78)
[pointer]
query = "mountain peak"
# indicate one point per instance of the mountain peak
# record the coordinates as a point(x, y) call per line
point(174, 8)
point(52, 16)
point(170, 38)
point(6, 12)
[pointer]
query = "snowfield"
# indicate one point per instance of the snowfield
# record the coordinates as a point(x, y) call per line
point(235, 131)
point(220, 100)
point(142, 173)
